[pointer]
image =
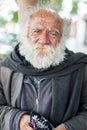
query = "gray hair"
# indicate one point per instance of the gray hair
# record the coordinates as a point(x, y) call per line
point(24, 21)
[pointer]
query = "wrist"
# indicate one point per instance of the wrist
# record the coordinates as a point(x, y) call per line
point(61, 127)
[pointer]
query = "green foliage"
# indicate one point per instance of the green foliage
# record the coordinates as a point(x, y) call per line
point(43, 2)
point(15, 17)
point(3, 22)
point(74, 7)
point(58, 5)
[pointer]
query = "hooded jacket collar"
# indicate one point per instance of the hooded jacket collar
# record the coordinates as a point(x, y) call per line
point(18, 63)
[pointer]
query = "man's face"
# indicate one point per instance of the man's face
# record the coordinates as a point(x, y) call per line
point(45, 28)
point(42, 46)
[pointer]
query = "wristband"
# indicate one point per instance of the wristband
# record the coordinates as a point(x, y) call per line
point(38, 122)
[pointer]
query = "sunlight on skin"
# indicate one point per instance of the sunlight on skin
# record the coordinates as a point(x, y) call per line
point(45, 28)
point(43, 39)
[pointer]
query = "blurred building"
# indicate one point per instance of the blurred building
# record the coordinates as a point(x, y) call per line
point(78, 37)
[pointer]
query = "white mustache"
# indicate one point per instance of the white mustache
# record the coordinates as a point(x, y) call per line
point(42, 56)
point(44, 48)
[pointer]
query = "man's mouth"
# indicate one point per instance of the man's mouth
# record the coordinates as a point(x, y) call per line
point(43, 50)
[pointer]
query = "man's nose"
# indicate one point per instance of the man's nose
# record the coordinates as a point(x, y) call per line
point(44, 38)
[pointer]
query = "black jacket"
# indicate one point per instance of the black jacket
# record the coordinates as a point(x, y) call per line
point(69, 90)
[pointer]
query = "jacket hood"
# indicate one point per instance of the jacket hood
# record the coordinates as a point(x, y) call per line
point(18, 63)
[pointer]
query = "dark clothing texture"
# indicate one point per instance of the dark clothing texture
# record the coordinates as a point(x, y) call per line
point(58, 93)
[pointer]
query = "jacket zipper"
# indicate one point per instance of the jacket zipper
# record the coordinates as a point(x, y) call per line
point(37, 99)
point(37, 94)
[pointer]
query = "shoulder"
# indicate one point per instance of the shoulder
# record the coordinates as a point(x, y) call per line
point(5, 74)
point(4, 70)
point(78, 57)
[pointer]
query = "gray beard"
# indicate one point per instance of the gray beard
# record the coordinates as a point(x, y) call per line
point(51, 56)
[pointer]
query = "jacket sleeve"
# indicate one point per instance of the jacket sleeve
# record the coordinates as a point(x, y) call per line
point(79, 122)
point(9, 116)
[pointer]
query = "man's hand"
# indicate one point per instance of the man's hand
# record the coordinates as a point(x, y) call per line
point(24, 122)
point(61, 127)
point(38, 122)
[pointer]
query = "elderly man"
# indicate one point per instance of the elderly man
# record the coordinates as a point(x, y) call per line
point(43, 84)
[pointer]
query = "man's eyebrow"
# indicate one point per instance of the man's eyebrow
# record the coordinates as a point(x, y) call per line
point(55, 30)
point(36, 28)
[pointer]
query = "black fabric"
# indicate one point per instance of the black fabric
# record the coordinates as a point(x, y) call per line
point(67, 85)
point(72, 62)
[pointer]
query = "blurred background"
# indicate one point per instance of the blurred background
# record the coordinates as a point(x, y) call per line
point(76, 9)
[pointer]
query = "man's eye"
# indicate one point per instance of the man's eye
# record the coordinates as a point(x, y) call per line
point(53, 34)
point(36, 31)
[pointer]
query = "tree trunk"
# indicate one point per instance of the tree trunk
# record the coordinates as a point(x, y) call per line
point(24, 4)
point(53, 2)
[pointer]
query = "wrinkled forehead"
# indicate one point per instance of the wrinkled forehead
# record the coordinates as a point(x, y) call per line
point(43, 13)
point(48, 15)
